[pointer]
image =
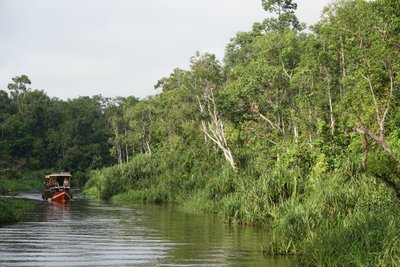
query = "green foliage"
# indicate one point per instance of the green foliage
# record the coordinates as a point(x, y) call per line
point(107, 182)
point(382, 165)
point(13, 210)
point(341, 219)
point(361, 239)
point(26, 182)
point(37, 132)
point(284, 10)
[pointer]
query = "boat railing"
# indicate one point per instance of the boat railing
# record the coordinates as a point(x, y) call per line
point(57, 187)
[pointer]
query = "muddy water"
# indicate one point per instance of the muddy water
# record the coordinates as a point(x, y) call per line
point(92, 233)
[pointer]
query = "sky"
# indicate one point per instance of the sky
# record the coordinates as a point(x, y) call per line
point(71, 48)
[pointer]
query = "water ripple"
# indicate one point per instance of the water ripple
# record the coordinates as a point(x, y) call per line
point(89, 233)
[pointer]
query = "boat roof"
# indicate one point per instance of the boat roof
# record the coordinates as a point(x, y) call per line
point(57, 174)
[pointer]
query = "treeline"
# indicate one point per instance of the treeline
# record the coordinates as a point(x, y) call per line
point(42, 133)
point(281, 93)
point(295, 129)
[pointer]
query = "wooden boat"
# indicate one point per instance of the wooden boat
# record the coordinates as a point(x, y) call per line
point(57, 187)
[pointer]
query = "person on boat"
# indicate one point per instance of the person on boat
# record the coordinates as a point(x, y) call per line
point(53, 182)
point(66, 182)
point(47, 184)
point(54, 185)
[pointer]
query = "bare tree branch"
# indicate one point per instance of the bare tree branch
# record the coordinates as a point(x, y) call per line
point(214, 129)
point(254, 108)
point(379, 139)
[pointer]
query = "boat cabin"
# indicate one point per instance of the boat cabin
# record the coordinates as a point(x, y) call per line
point(58, 180)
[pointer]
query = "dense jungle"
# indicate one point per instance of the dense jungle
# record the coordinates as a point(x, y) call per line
point(296, 129)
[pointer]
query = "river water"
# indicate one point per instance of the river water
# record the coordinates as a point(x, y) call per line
point(93, 233)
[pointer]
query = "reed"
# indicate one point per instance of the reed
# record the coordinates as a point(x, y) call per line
point(339, 220)
point(364, 238)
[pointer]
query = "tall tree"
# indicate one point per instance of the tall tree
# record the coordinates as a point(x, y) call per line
point(284, 11)
point(18, 90)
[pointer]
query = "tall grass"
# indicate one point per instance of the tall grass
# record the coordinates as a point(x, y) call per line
point(107, 182)
point(363, 238)
point(341, 219)
point(144, 179)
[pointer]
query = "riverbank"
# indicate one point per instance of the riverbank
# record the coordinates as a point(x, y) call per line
point(346, 217)
point(13, 210)
point(19, 185)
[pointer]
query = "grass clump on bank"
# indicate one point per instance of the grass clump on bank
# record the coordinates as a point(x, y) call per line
point(364, 238)
point(340, 222)
point(13, 210)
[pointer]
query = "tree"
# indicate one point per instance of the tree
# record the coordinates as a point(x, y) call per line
point(207, 78)
point(361, 36)
point(118, 124)
point(18, 90)
point(284, 10)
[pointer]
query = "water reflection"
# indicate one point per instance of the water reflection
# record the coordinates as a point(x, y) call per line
point(91, 233)
point(202, 240)
point(57, 211)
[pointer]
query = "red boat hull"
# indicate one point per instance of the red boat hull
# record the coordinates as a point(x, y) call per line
point(60, 196)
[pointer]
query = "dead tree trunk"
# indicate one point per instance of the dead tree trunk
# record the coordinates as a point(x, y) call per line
point(214, 128)
point(342, 64)
point(380, 119)
point(115, 130)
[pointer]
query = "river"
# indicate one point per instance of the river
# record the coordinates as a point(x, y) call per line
point(92, 233)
